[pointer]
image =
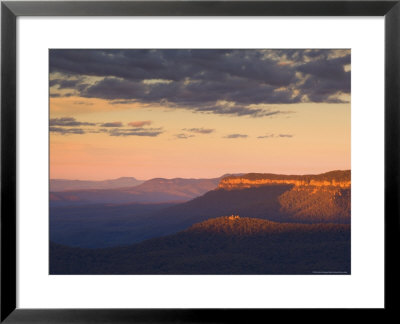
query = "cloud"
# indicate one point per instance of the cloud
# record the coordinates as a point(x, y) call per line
point(323, 77)
point(236, 136)
point(266, 136)
point(199, 79)
point(183, 136)
point(169, 65)
point(199, 130)
point(150, 132)
point(63, 126)
point(122, 102)
point(275, 136)
point(238, 110)
point(68, 121)
point(65, 83)
point(65, 131)
point(204, 95)
point(140, 123)
point(112, 124)
point(58, 95)
point(83, 103)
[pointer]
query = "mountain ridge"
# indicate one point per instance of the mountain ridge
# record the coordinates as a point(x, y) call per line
point(57, 185)
point(236, 225)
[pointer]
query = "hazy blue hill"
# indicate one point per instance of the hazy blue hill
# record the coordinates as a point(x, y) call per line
point(64, 184)
point(219, 246)
point(152, 191)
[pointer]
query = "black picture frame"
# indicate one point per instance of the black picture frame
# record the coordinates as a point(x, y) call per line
point(10, 10)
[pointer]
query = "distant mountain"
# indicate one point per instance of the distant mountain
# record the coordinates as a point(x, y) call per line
point(225, 245)
point(64, 184)
point(157, 190)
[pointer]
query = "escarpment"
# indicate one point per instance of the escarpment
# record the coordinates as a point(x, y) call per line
point(338, 179)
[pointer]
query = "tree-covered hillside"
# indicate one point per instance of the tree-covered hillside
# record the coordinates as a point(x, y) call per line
point(219, 246)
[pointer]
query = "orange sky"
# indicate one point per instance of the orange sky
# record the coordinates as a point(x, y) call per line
point(97, 138)
point(320, 142)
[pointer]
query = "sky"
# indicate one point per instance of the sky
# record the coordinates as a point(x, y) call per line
point(198, 113)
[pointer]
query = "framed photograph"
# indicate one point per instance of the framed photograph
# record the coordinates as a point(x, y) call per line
point(198, 161)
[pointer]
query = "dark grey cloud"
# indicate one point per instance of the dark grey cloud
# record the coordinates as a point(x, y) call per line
point(189, 94)
point(275, 136)
point(122, 102)
point(66, 131)
point(199, 130)
point(83, 103)
point(325, 75)
point(202, 96)
point(236, 136)
point(150, 132)
point(266, 136)
point(201, 79)
point(112, 124)
point(238, 110)
point(66, 125)
point(65, 83)
point(58, 95)
point(68, 121)
point(184, 136)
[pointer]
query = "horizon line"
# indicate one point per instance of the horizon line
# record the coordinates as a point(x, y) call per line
point(198, 178)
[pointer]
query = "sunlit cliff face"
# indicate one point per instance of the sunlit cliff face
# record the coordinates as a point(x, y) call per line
point(230, 183)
